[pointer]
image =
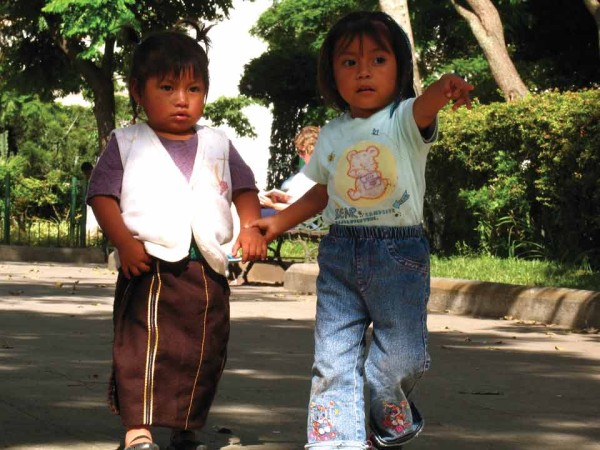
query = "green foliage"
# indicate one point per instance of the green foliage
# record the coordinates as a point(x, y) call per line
point(501, 208)
point(548, 51)
point(289, 100)
point(47, 146)
point(98, 20)
point(49, 141)
point(294, 87)
point(302, 24)
point(50, 233)
point(515, 271)
point(50, 136)
point(52, 34)
point(54, 47)
point(473, 266)
point(285, 76)
point(228, 110)
point(4, 145)
point(299, 250)
point(519, 179)
point(294, 101)
point(294, 31)
point(476, 70)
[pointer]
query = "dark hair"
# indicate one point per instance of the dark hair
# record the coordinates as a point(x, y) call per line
point(86, 166)
point(380, 27)
point(170, 52)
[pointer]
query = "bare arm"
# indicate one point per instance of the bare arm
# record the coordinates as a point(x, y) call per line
point(448, 88)
point(266, 202)
point(304, 208)
point(132, 255)
point(250, 240)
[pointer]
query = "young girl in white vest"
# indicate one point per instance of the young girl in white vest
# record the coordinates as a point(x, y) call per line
point(369, 166)
point(162, 192)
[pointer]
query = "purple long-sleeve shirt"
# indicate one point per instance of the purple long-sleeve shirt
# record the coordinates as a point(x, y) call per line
point(107, 176)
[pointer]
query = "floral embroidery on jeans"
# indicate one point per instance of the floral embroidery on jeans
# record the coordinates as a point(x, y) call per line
point(395, 416)
point(321, 421)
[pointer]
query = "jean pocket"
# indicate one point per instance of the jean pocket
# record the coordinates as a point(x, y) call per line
point(411, 254)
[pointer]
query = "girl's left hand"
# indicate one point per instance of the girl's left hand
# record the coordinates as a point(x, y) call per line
point(252, 243)
point(457, 89)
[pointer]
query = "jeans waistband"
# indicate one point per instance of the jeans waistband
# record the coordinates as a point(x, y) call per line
point(415, 231)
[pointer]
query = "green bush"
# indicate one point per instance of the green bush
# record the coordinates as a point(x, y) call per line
point(519, 179)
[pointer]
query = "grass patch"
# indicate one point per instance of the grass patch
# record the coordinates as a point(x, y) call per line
point(488, 268)
point(296, 249)
point(515, 271)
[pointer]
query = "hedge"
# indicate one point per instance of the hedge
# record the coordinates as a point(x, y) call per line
point(518, 179)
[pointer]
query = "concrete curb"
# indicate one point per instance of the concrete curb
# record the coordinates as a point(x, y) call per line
point(571, 308)
point(17, 253)
point(301, 278)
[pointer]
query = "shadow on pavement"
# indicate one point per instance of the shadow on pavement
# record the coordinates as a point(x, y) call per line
point(491, 390)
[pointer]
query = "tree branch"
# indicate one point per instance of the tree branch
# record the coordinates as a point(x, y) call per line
point(464, 12)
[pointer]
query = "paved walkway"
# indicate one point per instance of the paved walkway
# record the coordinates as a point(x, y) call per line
point(493, 384)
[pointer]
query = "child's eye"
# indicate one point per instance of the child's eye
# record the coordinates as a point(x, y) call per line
point(348, 62)
point(166, 87)
point(195, 89)
point(380, 60)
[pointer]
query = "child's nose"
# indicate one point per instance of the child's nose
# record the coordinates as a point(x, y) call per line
point(182, 97)
point(364, 69)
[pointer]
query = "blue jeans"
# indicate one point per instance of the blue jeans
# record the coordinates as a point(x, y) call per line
point(379, 276)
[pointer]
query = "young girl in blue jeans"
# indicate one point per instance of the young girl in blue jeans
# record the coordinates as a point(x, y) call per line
point(162, 193)
point(369, 166)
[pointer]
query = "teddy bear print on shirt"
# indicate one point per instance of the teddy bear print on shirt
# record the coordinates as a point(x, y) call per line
point(369, 182)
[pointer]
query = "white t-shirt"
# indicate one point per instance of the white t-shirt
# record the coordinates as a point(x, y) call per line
point(374, 168)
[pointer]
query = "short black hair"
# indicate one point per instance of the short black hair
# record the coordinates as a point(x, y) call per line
point(367, 23)
point(170, 52)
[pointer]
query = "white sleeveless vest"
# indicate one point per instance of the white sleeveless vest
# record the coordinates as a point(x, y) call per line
point(162, 209)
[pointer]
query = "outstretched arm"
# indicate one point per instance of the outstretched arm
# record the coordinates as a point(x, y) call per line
point(302, 209)
point(448, 88)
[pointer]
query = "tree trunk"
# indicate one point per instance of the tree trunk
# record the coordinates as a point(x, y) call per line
point(484, 20)
point(100, 80)
point(101, 83)
point(104, 110)
point(593, 7)
point(398, 10)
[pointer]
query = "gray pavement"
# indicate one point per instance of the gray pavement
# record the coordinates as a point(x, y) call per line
point(493, 384)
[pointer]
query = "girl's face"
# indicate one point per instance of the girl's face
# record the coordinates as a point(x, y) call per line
point(365, 75)
point(173, 104)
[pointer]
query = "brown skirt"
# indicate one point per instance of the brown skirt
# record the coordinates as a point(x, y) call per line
point(171, 328)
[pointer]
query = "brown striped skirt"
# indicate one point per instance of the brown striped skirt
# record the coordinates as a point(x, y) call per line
point(171, 328)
